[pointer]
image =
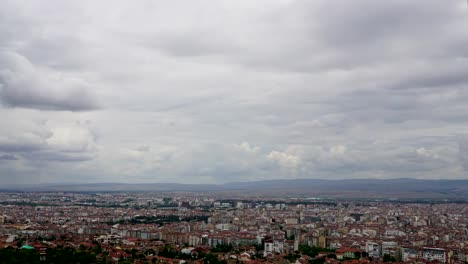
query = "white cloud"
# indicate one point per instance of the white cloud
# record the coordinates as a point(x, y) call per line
point(284, 159)
point(71, 139)
point(245, 146)
point(426, 153)
point(338, 150)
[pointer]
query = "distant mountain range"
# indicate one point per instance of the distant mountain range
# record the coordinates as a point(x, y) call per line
point(349, 188)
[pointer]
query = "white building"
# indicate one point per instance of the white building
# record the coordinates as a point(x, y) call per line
point(291, 221)
point(432, 254)
point(373, 249)
point(273, 246)
point(409, 253)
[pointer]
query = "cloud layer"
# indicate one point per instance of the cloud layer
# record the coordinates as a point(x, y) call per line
point(224, 91)
point(24, 85)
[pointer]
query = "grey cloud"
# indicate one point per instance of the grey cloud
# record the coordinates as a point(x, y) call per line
point(72, 143)
point(445, 73)
point(55, 156)
point(143, 148)
point(233, 91)
point(443, 107)
point(188, 44)
point(24, 85)
point(463, 151)
point(8, 157)
point(323, 35)
point(366, 22)
point(6, 146)
point(388, 161)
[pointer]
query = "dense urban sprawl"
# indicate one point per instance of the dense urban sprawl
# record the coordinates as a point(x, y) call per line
point(206, 228)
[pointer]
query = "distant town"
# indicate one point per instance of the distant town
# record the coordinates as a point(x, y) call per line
point(201, 227)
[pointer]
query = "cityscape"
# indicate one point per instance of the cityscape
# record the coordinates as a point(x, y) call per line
point(198, 227)
point(233, 131)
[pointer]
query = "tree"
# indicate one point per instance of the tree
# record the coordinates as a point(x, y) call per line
point(211, 259)
point(134, 253)
point(388, 258)
point(291, 257)
point(317, 261)
point(222, 248)
point(97, 249)
point(84, 257)
point(168, 252)
point(313, 251)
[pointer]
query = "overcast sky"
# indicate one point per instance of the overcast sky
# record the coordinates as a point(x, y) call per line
point(220, 91)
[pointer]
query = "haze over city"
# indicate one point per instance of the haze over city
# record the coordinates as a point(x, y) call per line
point(231, 91)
